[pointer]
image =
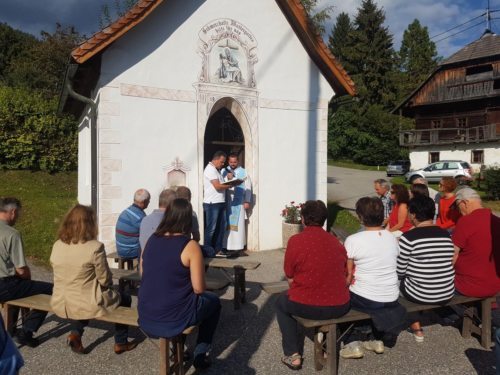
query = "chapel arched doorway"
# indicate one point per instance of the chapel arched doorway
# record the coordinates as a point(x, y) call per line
point(223, 132)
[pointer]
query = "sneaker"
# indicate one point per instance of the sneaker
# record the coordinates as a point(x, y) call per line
point(25, 338)
point(201, 361)
point(352, 350)
point(376, 346)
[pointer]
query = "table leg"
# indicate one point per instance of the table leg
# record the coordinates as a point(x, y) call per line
point(239, 286)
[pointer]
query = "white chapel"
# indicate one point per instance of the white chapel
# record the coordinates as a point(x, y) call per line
point(172, 81)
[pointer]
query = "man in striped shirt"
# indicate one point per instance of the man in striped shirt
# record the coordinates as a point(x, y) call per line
point(382, 188)
point(128, 226)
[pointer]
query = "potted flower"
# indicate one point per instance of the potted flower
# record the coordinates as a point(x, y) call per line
point(292, 221)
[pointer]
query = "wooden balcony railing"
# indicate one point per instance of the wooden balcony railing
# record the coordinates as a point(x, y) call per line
point(443, 136)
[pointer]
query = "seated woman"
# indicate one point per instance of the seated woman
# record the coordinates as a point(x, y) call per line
point(447, 215)
point(315, 266)
point(398, 218)
point(175, 262)
point(425, 260)
point(371, 275)
point(82, 279)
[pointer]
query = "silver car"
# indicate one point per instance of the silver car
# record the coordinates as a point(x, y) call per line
point(458, 169)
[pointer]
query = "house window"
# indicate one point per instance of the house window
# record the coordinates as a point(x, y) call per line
point(477, 156)
point(436, 124)
point(461, 122)
point(479, 72)
point(433, 157)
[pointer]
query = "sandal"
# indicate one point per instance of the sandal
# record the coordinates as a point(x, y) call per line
point(288, 361)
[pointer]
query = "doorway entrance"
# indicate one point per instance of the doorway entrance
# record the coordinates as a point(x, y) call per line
point(223, 132)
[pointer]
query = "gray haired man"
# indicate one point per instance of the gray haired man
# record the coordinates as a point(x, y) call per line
point(15, 274)
point(383, 189)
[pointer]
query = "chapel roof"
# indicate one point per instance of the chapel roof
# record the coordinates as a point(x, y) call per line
point(293, 10)
point(487, 45)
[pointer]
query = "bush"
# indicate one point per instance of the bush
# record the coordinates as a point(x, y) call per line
point(32, 135)
point(492, 182)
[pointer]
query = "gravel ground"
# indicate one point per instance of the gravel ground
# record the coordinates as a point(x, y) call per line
point(248, 341)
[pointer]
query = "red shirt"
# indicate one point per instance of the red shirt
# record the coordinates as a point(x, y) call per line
point(447, 216)
point(316, 261)
point(393, 219)
point(475, 273)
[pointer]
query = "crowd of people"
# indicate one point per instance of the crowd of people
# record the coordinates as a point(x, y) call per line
point(426, 250)
point(410, 245)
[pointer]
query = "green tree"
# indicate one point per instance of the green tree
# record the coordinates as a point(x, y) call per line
point(120, 7)
point(318, 17)
point(12, 44)
point(42, 66)
point(417, 56)
point(32, 135)
point(339, 38)
point(371, 57)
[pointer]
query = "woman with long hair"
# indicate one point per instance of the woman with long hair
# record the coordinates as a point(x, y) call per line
point(82, 279)
point(172, 295)
point(398, 218)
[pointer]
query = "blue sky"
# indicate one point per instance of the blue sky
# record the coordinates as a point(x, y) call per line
point(438, 15)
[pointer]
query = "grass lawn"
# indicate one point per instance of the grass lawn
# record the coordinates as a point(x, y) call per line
point(353, 165)
point(341, 217)
point(45, 199)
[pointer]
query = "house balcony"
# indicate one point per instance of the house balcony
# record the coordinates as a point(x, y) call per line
point(447, 136)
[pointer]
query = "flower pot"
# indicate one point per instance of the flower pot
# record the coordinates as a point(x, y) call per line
point(288, 230)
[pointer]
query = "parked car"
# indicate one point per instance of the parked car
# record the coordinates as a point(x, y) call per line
point(398, 167)
point(460, 170)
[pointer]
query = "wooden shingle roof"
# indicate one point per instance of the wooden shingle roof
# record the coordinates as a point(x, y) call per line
point(486, 46)
point(292, 9)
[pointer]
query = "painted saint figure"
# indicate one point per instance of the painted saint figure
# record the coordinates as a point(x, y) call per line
point(229, 70)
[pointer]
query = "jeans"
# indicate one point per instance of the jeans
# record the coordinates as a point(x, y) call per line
point(291, 341)
point(121, 330)
point(207, 317)
point(215, 224)
point(14, 287)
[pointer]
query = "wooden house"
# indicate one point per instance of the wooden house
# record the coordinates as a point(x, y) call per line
point(457, 109)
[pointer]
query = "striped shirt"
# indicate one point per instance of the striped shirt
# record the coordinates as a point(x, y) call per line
point(425, 263)
point(388, 203)
point(127, 232)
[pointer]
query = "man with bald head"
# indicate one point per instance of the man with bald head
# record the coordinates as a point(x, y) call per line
point(475, 273)
point(128, 226)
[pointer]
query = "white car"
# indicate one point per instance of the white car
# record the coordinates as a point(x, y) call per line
point(458, 169)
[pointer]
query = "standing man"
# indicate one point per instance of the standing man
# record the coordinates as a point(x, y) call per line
point(382, 188)
point(239, 199)
point(150, 223)
point(475, 272)
point(128, 226)
point(15, 275)
point(214, 202)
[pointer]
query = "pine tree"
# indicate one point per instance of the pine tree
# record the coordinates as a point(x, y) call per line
point(371, 57)
point(317, 17)
point(339, 38)
point(417, 55)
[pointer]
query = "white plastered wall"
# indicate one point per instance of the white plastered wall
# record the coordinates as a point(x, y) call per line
point(147, 111)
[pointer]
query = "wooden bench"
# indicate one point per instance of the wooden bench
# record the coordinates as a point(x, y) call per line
point(127, 276)
point(330, 346)
point(122, 262)
point(239, 268)
point(121, 315)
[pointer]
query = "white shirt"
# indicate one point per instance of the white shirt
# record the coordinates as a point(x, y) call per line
point(211, 195)
point(375, 258)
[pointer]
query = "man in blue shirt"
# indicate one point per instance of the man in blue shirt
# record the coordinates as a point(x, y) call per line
point(128, 225)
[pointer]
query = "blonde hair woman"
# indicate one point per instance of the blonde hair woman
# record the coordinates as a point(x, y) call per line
point(82, 279)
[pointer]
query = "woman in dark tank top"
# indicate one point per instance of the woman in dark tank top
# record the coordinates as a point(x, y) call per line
point(172, 294)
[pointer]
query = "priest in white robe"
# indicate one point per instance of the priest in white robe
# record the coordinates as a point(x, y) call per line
point(238, 201)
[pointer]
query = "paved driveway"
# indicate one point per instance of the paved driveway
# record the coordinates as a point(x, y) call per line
point(346, 186)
